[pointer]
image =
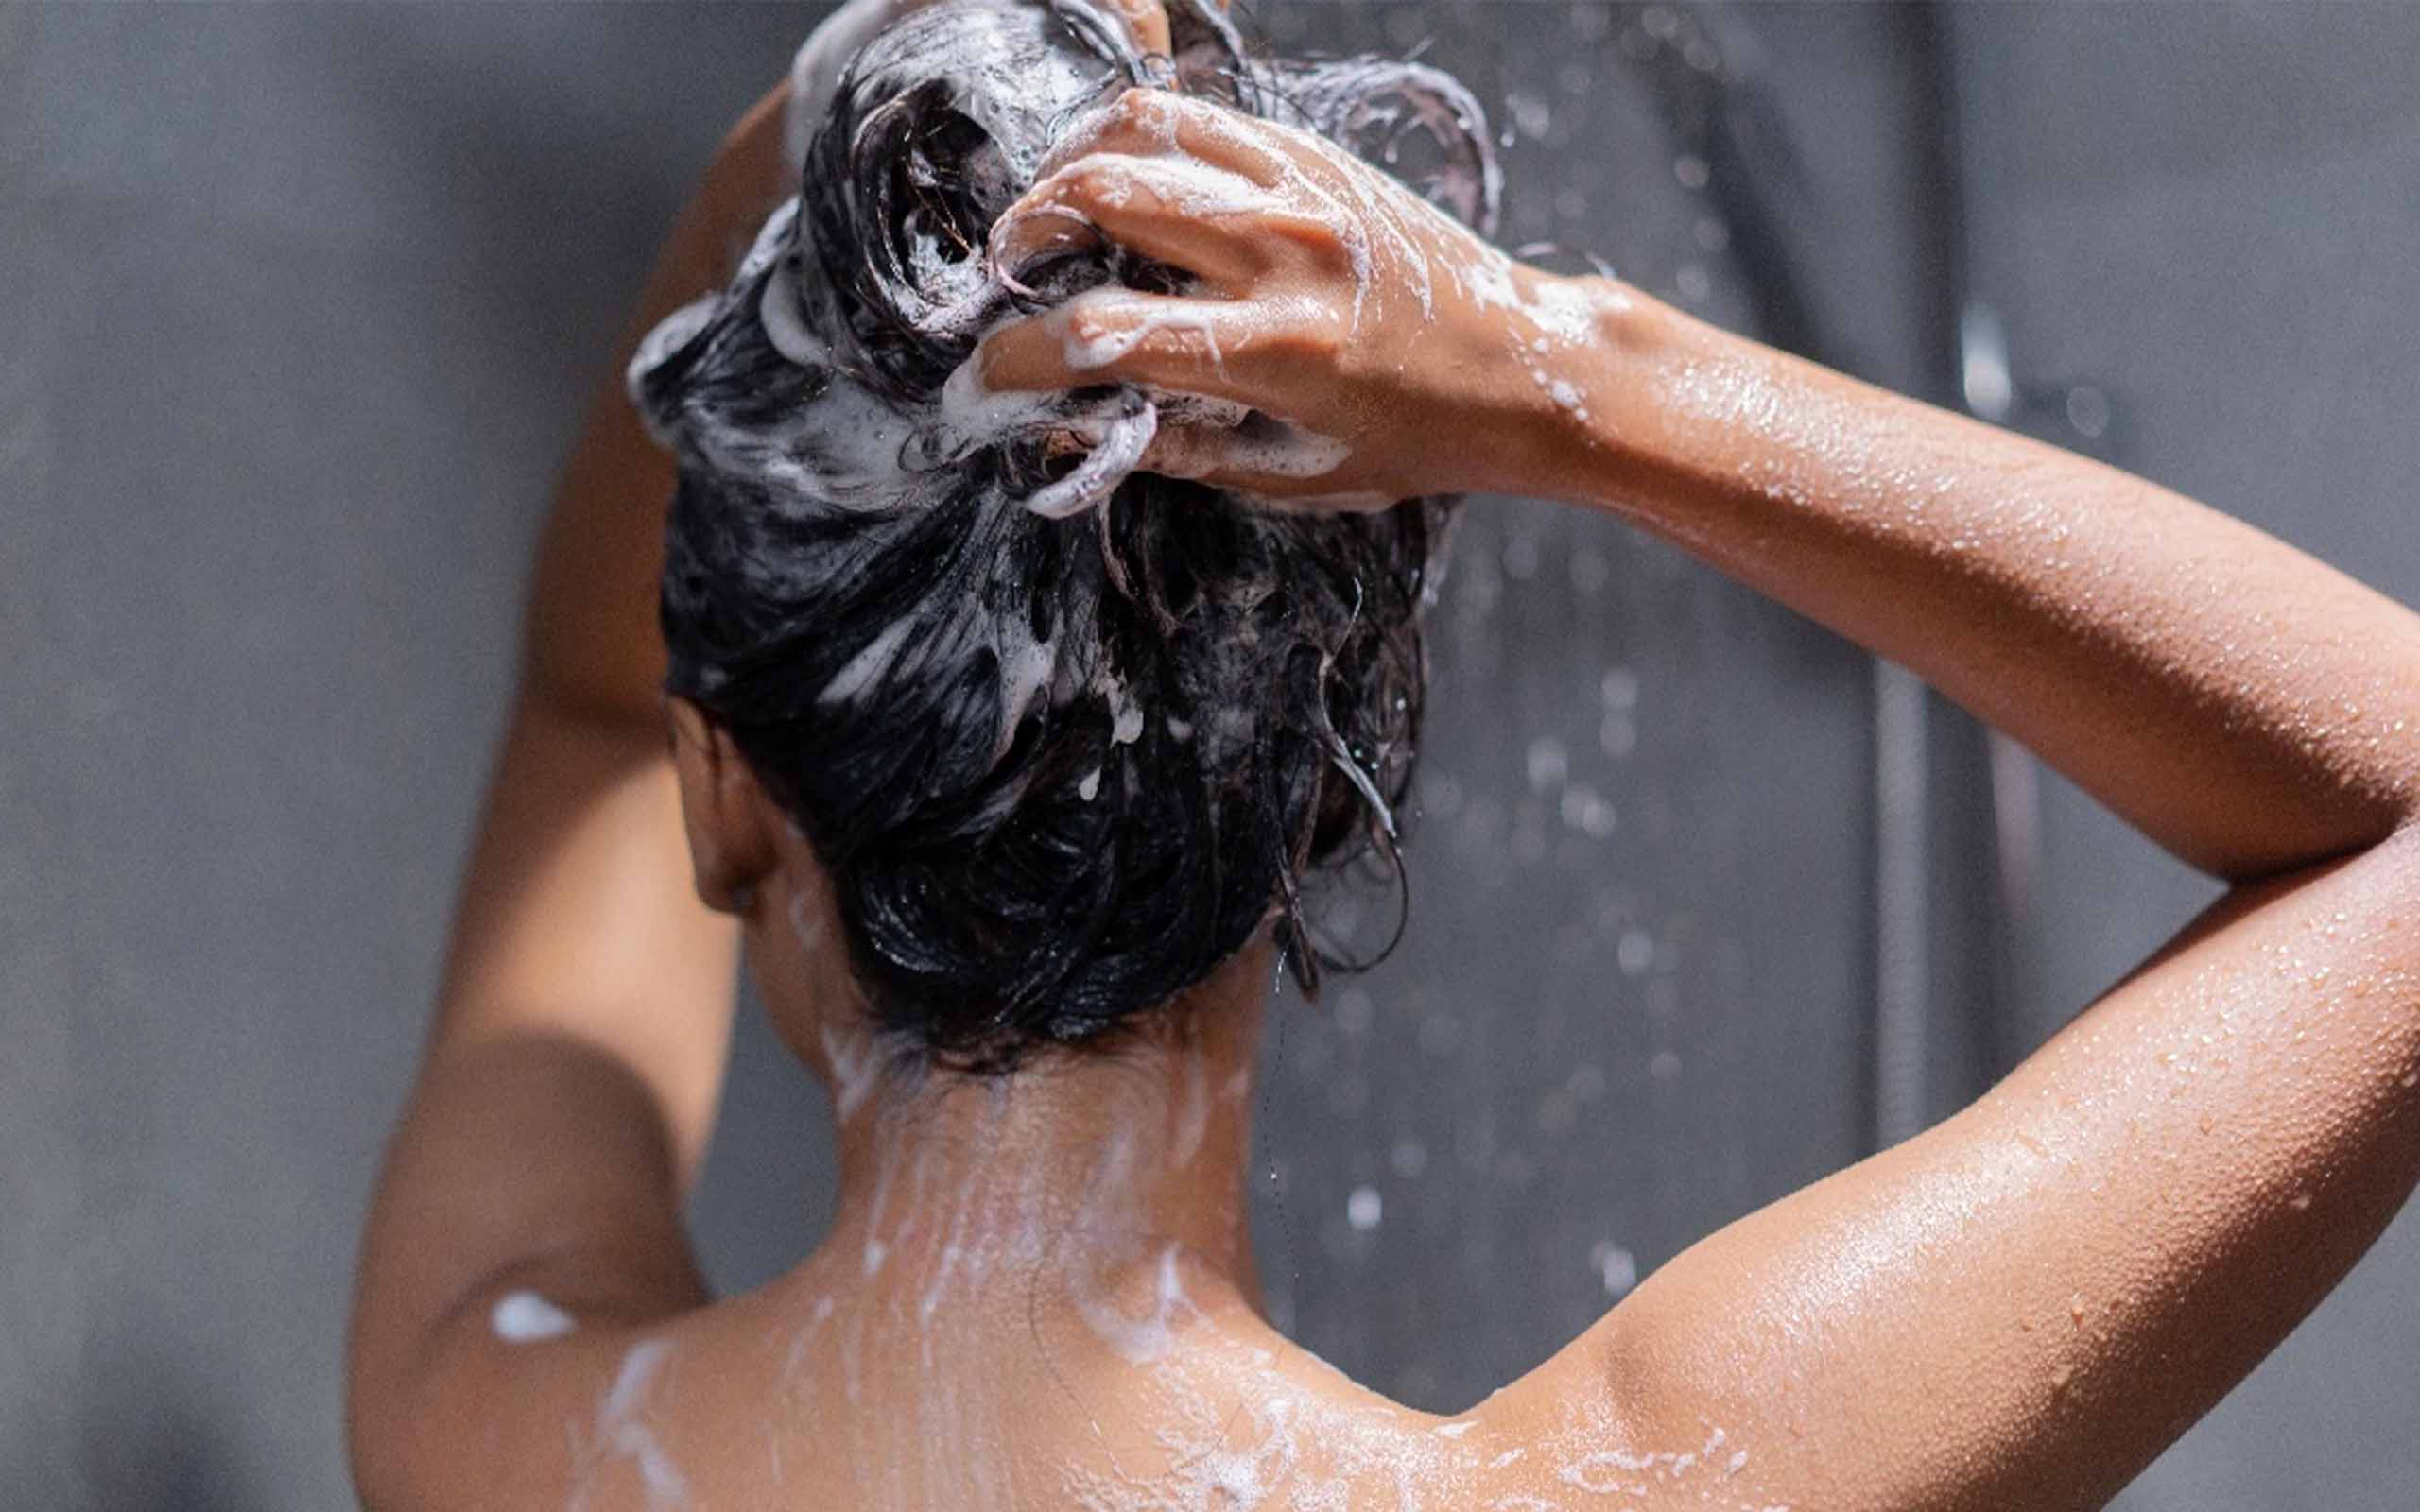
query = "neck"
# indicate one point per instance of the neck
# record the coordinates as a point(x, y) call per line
point(1090, 1162)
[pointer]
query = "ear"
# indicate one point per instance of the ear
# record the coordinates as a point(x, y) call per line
point(724, 809)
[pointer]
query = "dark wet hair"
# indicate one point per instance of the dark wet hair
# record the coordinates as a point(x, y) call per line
point(1058, 769)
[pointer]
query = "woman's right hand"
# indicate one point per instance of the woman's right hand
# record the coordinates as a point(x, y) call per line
point(1384, 350)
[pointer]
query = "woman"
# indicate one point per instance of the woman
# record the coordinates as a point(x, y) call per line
point(1037, 1292)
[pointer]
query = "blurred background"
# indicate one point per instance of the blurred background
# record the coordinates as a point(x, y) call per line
point(300, 303)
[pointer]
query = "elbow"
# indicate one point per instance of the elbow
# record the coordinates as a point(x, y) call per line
point(378, 1419)
point(2399, 863)
point(372, 1452)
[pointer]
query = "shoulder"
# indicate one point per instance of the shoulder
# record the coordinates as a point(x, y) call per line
point(521, 1397)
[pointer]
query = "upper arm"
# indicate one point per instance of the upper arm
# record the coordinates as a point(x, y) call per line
point(577, 1052)
point(2023, 1306)
point(594, 643)
point(568, 1091)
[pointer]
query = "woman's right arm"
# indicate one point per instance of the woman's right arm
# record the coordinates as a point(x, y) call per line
point(2024, 1305)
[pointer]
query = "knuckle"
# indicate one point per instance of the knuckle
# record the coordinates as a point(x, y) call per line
point(1136, 106)
point(1083, 182)
point(1315, 242)
point(1077, 185)
point(1309, 334)
point(1089, 325)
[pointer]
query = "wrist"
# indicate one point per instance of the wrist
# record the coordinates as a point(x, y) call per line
point(1583, 354)
point(1669, 407)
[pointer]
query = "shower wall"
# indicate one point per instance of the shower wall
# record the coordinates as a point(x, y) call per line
point(306, 300)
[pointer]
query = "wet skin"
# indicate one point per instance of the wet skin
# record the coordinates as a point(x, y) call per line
point(1038, 1292)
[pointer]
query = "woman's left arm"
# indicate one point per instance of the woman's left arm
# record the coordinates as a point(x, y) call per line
point(572, 1075)
point(577, 1057)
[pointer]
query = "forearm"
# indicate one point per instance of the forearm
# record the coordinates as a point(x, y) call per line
point(593, 647)
point(2248, 706)
point(576, 1057)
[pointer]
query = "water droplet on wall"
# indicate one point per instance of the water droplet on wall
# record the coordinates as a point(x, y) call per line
point(1364, 1209)
point(1550, 764)
point(1616, 1266)
point(1636, 951)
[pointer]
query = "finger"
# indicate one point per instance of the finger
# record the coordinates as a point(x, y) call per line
point(1143, 122)
point(1117, 336)
point(1207, 221)
point(1147, 22)
point(1266, 456)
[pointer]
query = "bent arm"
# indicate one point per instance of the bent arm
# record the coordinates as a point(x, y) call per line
point(2249, 708)
point(2024, 1305)
point(569, 1084)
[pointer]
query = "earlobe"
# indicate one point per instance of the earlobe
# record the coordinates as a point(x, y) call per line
point(722, 808)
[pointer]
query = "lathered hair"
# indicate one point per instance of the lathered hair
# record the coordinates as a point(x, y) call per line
point(1064, 734)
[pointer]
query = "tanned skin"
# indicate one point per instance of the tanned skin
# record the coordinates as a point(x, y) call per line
point(2019, 1309)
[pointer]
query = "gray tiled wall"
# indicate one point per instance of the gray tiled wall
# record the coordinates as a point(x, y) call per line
point(299, 305)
